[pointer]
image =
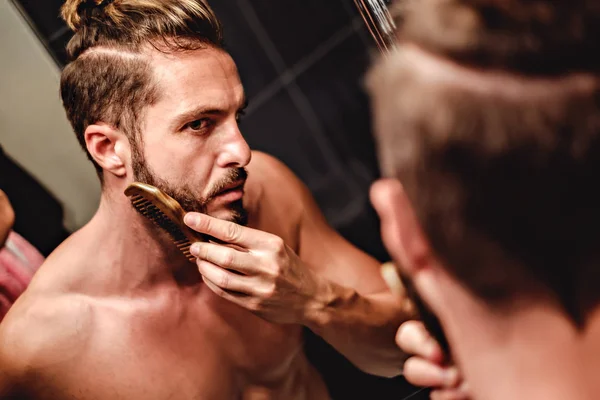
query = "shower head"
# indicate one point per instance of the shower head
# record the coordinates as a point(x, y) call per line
point(379, 21)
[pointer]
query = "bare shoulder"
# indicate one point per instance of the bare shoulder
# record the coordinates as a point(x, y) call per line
point(275, 180)
point(275, 197)
point(42, 330)
point(267, 166)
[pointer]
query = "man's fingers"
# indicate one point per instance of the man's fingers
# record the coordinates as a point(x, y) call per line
point(225, 281)
point(225, 231)
point(224, 256)
point(421, 372)
point(413, 338)
point(240, 299)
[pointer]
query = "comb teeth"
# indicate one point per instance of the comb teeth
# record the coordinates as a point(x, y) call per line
point(154, 214)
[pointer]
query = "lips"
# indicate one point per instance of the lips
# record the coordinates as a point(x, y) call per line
point(239, 185)
point(231, 193)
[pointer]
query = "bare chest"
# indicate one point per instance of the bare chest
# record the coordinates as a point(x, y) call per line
point(212, 350)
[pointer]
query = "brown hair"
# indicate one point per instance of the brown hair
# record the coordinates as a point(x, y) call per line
point(108, 78)
point(501, 172)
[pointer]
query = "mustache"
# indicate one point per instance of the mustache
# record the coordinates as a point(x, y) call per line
point(233, 176)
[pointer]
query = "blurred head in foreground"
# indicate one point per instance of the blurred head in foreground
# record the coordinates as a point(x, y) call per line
point(487, 118)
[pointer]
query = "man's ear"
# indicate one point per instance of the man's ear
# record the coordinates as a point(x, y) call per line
point(407, 244)
point(400, 230)
point(107, 147)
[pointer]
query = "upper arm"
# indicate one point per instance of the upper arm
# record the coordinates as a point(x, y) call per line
point(12, 363)
point(326, 250)
point(8, 372)
point(319, 245)
point(38, 334)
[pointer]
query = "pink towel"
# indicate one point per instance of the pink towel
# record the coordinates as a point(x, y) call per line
point(18, 262)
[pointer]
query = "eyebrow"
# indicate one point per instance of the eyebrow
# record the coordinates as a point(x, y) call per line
point(203, 110)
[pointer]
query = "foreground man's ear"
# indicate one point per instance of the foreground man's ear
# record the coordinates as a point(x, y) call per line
point(400, 230)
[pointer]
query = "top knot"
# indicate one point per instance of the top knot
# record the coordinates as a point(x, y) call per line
point(90, 4)
point(78, 12)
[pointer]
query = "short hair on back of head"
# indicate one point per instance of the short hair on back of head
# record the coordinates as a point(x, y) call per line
point(503, 185)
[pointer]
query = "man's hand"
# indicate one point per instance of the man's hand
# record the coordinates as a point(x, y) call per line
point(426, 368)
point(255, 270)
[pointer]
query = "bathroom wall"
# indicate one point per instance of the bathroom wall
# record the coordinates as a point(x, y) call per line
point(33, 128)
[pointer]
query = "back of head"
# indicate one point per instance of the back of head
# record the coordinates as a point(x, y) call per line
point(109, 78)
point(489, 114)
point(532, 37)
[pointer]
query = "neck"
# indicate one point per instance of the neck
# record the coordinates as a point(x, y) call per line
point(535, 352)
point(133, 252)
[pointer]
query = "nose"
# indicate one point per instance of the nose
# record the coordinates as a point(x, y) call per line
point(235, 152)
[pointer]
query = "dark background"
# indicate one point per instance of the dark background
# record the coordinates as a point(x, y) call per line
point(302, 63)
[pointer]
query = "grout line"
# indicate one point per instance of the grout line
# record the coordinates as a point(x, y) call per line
point(56, 35)
point(366, 39)
point(263, 38)
point(266, 93)
point(306, 63)
point(410, 396)
point(287, 80)
point(348, 212)
point(323, 49)
point(300, 101)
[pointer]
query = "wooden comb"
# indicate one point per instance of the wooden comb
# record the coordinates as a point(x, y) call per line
point(165, 212)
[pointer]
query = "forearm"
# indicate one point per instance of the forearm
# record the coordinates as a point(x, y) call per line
point(361, 327)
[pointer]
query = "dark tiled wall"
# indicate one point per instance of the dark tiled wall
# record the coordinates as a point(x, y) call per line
point(302, 63)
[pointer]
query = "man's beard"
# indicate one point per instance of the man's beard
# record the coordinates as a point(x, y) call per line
point(184, 194)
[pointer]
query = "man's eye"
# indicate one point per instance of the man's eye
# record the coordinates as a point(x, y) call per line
point(198, 124)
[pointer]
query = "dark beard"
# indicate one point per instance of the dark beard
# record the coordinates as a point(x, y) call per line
point(183, 193)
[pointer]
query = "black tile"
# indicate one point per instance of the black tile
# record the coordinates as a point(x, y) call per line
point(345, 382)
point(58, 47)
point(334, 87)
point(351, 8)
point(255, 68)
point(339, 196)
point(297, 27)
point(278, 128)
point(364, 231)
point(44, 14)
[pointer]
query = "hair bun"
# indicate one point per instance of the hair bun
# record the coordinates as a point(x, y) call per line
point(80, 12)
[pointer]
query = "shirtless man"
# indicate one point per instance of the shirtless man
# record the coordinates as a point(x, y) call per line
point(116, 312)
